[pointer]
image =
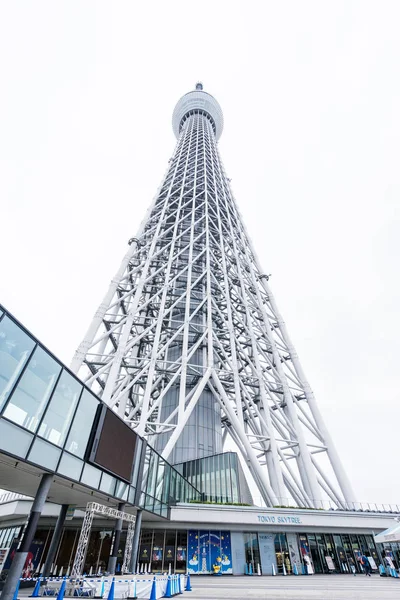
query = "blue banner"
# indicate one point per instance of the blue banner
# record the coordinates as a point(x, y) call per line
point(209, 552)
point(193, 551)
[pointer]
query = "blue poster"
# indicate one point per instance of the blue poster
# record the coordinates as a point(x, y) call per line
point(226, 552)
point(215, 551)
point(204, 548)
point(193, 551)
point(209, 552)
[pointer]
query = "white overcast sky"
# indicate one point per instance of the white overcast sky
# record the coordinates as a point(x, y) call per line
point(310, 93)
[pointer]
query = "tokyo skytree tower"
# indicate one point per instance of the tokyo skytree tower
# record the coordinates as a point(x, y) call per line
point(188, 344)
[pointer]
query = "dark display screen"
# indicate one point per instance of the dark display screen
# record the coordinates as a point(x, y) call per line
point(114, 445)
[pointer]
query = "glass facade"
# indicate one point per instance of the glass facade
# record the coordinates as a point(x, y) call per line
point(46, 417)
point(337, 553)
point(220, 478)
point(203, 552)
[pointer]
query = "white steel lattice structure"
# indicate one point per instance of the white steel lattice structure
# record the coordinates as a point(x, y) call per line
point(93, 508)
point(188, 344)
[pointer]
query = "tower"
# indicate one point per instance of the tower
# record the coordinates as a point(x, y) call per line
point(188, 344)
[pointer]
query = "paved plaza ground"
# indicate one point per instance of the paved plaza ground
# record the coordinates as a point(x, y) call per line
point(316, 587)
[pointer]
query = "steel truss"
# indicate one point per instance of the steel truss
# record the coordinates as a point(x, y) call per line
point(191, 310)
point(93, 508)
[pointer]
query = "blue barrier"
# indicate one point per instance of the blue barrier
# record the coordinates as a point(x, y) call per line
point(112, 590)
point(188, 586)
point(35, 592)
point(168, 590)
point(61, 593)
point(153, 594)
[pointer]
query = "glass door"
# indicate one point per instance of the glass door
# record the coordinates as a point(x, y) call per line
point(315, 555)
point(341, 554)
point(282, 555)
point(252, 551)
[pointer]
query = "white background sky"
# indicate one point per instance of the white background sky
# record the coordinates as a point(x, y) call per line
point(311, 95)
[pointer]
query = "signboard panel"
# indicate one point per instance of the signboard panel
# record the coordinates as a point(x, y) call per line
point(114, 444)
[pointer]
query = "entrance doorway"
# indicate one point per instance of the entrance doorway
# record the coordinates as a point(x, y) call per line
point(283, 561)
point(252, 550)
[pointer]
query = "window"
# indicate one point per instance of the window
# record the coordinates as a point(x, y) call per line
point(91, 476)
point(29, 399)
point(15, 349)
point(121, 490)
point(70, 466)
point(44, 454)
point(59, 413)
point(13, 439)
point(107, 484)
point(81, 427)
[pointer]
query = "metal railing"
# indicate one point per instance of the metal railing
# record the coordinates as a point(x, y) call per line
point(329, 505)
point(10, 496)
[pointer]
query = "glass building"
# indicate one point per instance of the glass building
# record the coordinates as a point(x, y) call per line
point(47, 416)
point(50, 422)
point(219, 477)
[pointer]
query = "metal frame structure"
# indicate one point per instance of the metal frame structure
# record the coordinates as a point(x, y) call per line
point(190, 314)
point(93, 508)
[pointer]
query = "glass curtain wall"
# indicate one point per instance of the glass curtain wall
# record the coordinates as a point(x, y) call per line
point(46, 417)
point(338, 553)
point(218, 478)
point(162, 550)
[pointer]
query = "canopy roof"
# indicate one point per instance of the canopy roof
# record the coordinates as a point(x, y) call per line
point(389, 535)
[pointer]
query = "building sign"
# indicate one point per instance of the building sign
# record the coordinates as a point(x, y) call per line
point(279, 519)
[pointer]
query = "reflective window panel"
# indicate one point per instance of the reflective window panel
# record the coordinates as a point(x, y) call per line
point(79, 434)
point(107, 484)
point(70, 466)
point(44, 454)
point(14, 439)
point(15, 349)
point(91, 476)
point(29, 399)
point(58, 417)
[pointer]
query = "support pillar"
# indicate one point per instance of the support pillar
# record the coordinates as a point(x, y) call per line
point(135, 543)
point(55, 540)
point(22, 552)
point(112, 561)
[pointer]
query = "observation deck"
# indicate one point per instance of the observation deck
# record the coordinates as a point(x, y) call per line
point(198, 101)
